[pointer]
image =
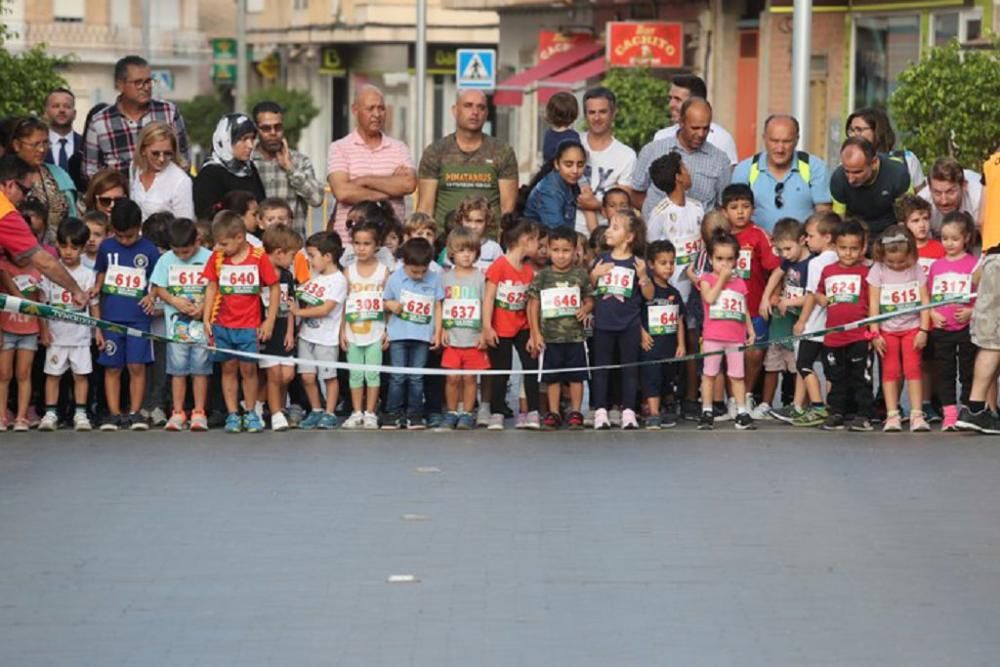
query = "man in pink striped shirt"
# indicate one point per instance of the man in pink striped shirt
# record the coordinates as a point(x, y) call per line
point(368, 165)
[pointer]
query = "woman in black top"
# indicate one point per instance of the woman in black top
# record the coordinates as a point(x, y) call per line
point(230, 167)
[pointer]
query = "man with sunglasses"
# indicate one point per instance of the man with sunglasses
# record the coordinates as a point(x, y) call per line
point(286, 174)
point(113, 133)
point(786, 183)
point(16, 238)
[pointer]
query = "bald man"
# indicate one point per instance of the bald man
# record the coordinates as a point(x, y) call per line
point(367, 164)
point(467, 163)
point(866, 185)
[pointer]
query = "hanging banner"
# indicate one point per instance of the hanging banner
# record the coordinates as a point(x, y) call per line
point(551, 42)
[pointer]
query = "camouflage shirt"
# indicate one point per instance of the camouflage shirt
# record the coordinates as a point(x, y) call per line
point(561, 294)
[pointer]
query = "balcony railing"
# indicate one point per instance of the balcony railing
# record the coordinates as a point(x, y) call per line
point(82, 38)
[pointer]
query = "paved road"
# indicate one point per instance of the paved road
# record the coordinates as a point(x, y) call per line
point(681, 548)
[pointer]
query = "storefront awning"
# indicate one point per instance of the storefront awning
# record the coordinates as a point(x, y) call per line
point(511, 91)
point(571, 79)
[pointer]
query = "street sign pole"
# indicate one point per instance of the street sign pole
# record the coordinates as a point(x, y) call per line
point(418, 135)
point(801, 57)
point(241, 56)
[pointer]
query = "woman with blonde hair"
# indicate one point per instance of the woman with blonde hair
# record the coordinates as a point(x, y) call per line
point(158, 180)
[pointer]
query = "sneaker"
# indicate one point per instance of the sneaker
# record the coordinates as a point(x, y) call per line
point(981, 422)
point(496, 422)
point(370, 421)
point(552, 422)
point(720, 412)
point(176, 422)
point(588, 418)
point(327, 422)
point(435, 420)
point(416, 423)
point(652, 423)
point(744, 422)
point(199, 422)
point(49, 422)
point(575, 421)
point(691, 410)
point(834, 423)
point(81, 422)
point(760, 411)
point(466, 422)
point(22, 425)
point(809, 418)
point(532, 421)
point(279, 422)
point(295, 415)
point(136, 422)
point(861, 424)
point(391, 421)
point(601, 421)
point(893, 423)
point(233, 423)
point(33, 418)
point(931, 415)
point(483, 415)
point(918, 423)
point(252, 422)
point(787, 414)
point(629, 421)
point(707, 421)
point(950, 413)
point(158, 417)
point(312, 420)
point(731, 408)
point(615, 417)
point(668, 420)
point(110, 423)
point(356, 420)
point(521, 422)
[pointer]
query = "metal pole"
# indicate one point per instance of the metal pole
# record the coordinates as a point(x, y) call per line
point(241, 55)
point(147, 30)
point(801, 57)
point(418, 135)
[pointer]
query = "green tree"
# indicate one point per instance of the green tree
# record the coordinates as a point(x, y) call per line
point(201, 115)
point(28, 77)
point(947, 104)
point(298, 105)
point(642, 104)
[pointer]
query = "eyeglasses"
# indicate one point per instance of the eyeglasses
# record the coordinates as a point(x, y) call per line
point(779, 201)
point(141, 83)
point(855, 130)
point(277, 127)
point(43, 145)
point(109, 202)
point(162, 155)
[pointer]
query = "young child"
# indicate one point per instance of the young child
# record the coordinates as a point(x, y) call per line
point(727, 325)
point(843, 290)
point(205, 238)
point(178, 282)
point(474, 214)
point(98, 224)
point(676, 219)
point(36, 214)
point(791, 277)
point(68, 344)
point(540, 259)
point(620, 285)
point(561, 111)
point(662, 334)
point(125, 264)
point(392, 236)
point(505, 318)
point(19, 337)
point(755, 262)
point(363, 335)
point(615, 200)
point(462, 326)
point(273, 211)
point(914, 213)
point(236, 274)
point(244, 204)
point(898, 284)
point(554, 191)
point(559, 300)
point(420, 226)
point(281, 243)
point(951, 278)
point(320, 305)
point(412, 297)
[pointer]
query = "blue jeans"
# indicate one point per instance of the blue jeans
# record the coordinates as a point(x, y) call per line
point(407, 354)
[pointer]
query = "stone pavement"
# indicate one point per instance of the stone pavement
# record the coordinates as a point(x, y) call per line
point(779, 547)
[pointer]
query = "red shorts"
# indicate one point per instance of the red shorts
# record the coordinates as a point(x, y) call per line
point(465, 358)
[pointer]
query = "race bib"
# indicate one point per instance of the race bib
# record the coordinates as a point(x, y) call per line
point(793, 292)
point(62, 298)
point(125, 281)
point(26, 284)
point(512, 296)
point(186, 280)
point(239, 280)
point(365, 307)
point(744, 263)
point(687, 248)
point(925, 264)
point(265, 298)
point(618, 282)
point(843, 289)
point(560, 302)
point(951, 286)
point(417, 308)
point(311, 293)
point(897, 298)
point(662, 320)
point(731, 305)
point(462, 314)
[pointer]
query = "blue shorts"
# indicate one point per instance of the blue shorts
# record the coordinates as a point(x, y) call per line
point(120, 349)
point(184, 360)
point(242, 340)
point(564, 355)
point(760, 329)
point(20, 342)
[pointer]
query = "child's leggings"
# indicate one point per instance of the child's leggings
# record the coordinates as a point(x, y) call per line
point(627, 343)
point(502, 358)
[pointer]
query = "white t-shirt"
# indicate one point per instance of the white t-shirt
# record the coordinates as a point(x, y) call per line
point(330, 287)
point(65, 333)
point(365, 308)
point(605, 169)
point(817, 318)
point(717, 136)
point(170, 191)
point(681, 225)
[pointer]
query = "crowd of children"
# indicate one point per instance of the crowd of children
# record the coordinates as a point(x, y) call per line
point(599, 328)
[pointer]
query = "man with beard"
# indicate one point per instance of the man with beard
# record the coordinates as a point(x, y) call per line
point(951, 188)
point(286, 174)
point(66, 146)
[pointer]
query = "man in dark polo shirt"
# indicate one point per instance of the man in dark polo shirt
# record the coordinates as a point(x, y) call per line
point(866, 185)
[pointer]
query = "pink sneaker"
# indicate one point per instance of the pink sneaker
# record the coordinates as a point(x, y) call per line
point(949, 422)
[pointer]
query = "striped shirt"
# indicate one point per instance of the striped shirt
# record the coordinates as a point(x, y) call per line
point(353, 156)
point(112, 137)
point(709, 168)
point(299, 186)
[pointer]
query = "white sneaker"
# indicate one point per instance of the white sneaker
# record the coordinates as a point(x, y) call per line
point(483, 416)
point(601, 422)
point(760, 411)
point(50, 422)
point(356, 420)
point(279, 422)
point(629, 421)
point(158, 417)
point(81, 422)
point(532, 421)
point(370, 421)
point(615, 416)
point(496, 422)
point(733, 410)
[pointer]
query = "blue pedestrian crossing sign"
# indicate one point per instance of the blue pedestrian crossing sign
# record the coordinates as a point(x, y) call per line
point(476, 68)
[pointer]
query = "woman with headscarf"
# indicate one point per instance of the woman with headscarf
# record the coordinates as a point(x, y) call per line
point(230, 167)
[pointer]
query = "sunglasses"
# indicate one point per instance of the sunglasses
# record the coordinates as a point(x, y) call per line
point(108, 201)
point(779, 201)
point(162, 155)
point(277, 127)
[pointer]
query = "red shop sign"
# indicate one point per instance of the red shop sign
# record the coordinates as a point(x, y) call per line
point(649, 44)
point(551, 42)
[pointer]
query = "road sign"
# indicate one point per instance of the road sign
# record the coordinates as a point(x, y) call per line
point(476, 68)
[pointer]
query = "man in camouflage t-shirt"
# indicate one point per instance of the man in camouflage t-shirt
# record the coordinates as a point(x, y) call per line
point(467, 163)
